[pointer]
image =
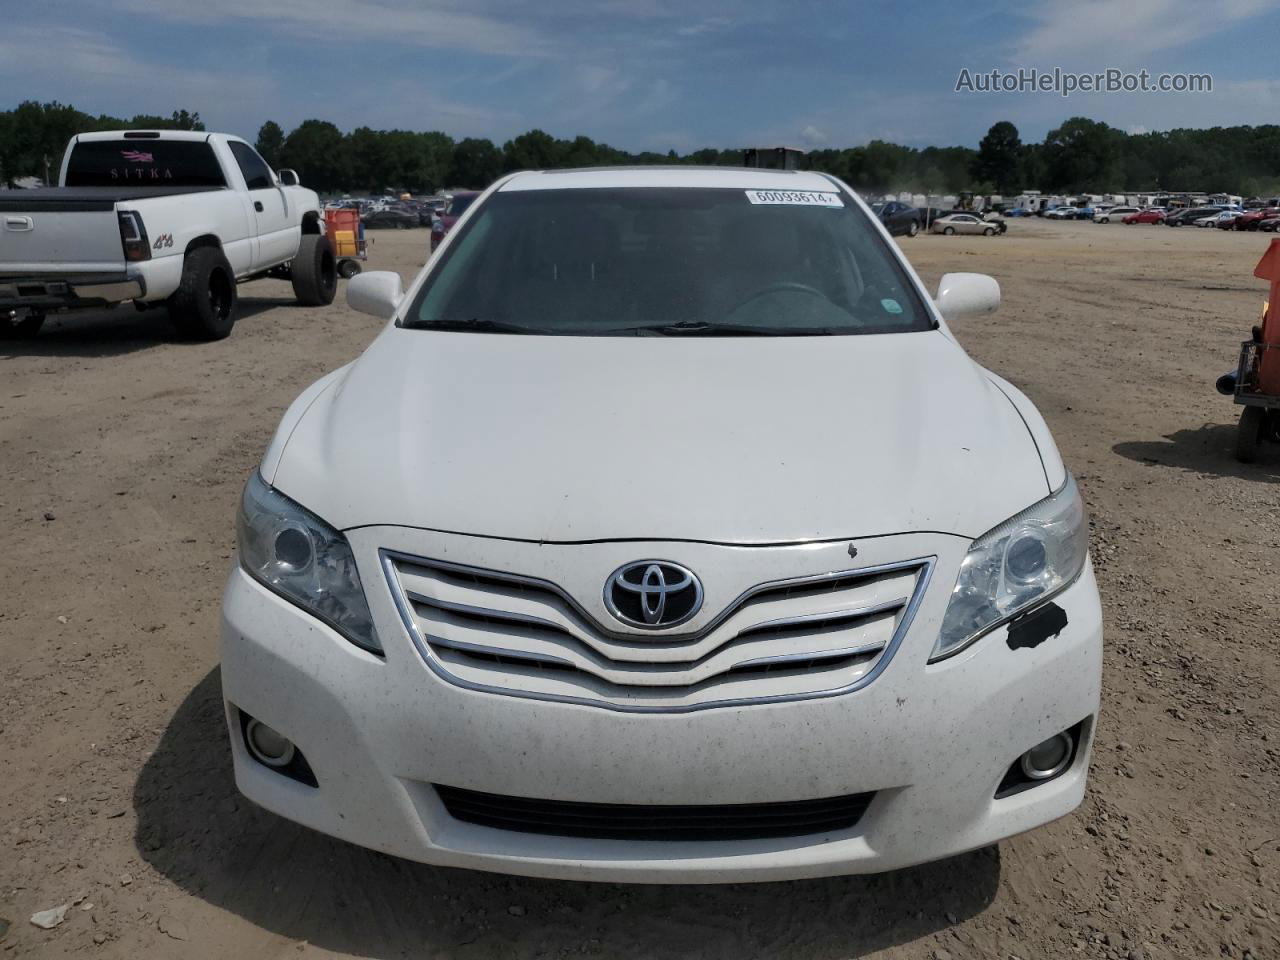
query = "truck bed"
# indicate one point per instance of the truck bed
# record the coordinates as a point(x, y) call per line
point(75, 199)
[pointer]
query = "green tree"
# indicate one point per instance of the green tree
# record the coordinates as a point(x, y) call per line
point(1082, 154)
point(270, 142)
point(999, 157)
point(178, 120)
point(475, 164)
point(433, 153)
point(535, 150)
point(318, 151)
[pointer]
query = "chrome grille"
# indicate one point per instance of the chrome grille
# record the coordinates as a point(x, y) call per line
point(521, 636)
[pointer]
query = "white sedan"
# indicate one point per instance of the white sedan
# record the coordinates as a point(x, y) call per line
point(705, 559)
point(1214, 219)
point(1113, 213)
point(964, 223)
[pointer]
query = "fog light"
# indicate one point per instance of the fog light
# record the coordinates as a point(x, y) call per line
point(1048, 759)
point(267, 745)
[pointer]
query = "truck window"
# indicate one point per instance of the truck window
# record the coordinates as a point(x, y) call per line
point(257, 175)
point(156, 163)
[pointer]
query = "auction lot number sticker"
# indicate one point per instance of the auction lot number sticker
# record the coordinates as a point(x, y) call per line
point(795, 198)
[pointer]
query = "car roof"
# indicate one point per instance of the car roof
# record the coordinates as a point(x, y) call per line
point(150, 135)
point(742, 178)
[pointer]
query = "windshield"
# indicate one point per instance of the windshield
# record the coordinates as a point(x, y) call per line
point(669, 261)
point(143, 162)
point(458, 205)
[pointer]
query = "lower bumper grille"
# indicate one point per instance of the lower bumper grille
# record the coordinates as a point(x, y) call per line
point(623, 821)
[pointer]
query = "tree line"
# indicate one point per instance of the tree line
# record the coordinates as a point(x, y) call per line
point(1079, 155)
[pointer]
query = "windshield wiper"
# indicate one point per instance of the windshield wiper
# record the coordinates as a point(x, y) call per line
point(476, 324)
point(697, 328)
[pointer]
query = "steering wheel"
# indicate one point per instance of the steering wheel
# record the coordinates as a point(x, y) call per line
point(781, 286)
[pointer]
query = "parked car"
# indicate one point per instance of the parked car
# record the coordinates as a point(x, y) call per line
point(1269, 225)
point(1252, 219)
point(1084, 213)
point(1060, 212)
point(470, 624)
point(453, 211)
point(1217, 219)
point(1114, 213)
point(964, 222)
point(898, 218)
point(159, 218)
point(390, 217)
point(1189, 215)
point(1020, 212)
point(1149, 215)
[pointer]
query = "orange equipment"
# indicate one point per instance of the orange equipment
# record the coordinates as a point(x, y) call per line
point(1255, 384)
point(346, 236)
point(1268, 268)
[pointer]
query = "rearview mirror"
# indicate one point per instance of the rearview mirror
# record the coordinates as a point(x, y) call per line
point(966, 295)
point(288, 178)
point(377, 293)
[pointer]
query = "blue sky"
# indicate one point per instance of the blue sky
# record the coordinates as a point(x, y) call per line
point(639, 74)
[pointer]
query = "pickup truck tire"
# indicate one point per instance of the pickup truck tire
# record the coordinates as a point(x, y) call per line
point(315, 271)
point(913, 228)
point(27, 327)
point(205, 305)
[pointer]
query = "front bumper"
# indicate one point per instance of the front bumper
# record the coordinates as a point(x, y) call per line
point(932, 742)
point(50, 292)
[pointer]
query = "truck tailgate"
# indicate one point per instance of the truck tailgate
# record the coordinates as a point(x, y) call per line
point(45, 236)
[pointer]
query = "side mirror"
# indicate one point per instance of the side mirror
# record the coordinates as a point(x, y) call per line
point(377, 293)
point(966, 295)
point(288, 178)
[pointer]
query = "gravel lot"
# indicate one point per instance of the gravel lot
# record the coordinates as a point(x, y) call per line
point(122, 454)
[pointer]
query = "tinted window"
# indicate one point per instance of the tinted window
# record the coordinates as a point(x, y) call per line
point(458, 205)
point(607, 261)
point(158, 163)
point(257, 175)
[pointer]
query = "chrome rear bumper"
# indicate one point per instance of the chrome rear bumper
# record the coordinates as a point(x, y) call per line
point(65, 292)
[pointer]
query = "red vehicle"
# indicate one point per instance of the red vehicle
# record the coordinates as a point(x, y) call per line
point(1250, 220)
point(455, 209)
point(1153, 215)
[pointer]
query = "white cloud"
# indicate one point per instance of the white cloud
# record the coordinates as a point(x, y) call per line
point(1105, 31)
point(813, 136)
point(709, 25)
point(426, 24)
point(92, 72)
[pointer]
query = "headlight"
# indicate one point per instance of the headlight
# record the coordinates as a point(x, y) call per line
point(299, 556)
point(1019, 563)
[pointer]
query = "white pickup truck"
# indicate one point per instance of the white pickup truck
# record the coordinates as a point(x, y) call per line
point(170, 218)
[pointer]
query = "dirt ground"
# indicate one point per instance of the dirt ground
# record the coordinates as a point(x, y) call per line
point(122, 454)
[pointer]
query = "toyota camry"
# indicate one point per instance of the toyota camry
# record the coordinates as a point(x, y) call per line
point(665, 533)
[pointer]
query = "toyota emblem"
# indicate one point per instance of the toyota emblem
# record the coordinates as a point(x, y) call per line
point(652, 594)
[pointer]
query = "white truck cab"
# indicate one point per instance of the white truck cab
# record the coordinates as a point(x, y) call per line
point(159, 217)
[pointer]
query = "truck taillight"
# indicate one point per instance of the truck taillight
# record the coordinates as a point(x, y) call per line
point(133, 236)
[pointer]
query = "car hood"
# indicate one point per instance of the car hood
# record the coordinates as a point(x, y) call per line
point(726, 440)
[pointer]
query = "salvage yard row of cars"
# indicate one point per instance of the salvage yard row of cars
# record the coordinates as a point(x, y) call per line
point(1266, 219)
point(613, 666)
point(1224, 217)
